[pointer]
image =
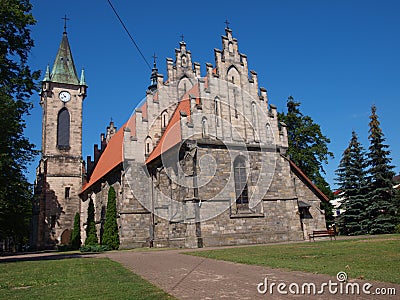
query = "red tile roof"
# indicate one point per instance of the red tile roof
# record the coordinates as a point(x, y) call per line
point(172, 134)
point(110, 158)
point(113, 156)
point(317, 191)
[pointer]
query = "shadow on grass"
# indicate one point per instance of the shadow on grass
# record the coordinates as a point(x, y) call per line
point(35, 256)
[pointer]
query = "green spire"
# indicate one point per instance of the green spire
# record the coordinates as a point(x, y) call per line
point(47, 75)
point(82, 80)
point(64, 68)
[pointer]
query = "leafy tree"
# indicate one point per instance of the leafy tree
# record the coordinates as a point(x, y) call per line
point(381, 210)
point(308, 149)
point(76, 232)
point(91, 232)
point(110, 235)
point(17, 84)
point(351, 178)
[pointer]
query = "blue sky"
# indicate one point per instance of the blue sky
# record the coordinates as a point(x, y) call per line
point(336, 57)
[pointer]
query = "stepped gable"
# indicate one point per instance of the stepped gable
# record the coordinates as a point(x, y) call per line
point(172, 135)
point(110, 158)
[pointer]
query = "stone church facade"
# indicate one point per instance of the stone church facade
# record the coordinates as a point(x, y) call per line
point(201, 162)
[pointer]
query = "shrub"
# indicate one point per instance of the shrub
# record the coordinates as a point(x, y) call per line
point(94, 248)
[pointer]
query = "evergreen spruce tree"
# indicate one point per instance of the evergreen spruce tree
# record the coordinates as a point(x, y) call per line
point(76, 232)
point(110, 236)
point(351, 178)
point(91, 233)
point(381, 210)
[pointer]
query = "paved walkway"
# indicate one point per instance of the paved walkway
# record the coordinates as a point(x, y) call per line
point(190, 277)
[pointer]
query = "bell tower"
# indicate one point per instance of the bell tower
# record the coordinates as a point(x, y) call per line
point(59, 175)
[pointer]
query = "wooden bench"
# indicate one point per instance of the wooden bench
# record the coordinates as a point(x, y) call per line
point(321, 233)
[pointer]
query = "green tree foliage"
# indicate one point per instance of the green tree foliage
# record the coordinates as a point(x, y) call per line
point(91, 232)
point(308, 149)
point(17, 84)
point(110, 235)
point(351, 179)
point(381, 209)
point(76, 232)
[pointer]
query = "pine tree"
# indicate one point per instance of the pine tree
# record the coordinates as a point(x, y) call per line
point(91, 232)
point(76, 232)
point(351, 178)
point(381, 210)
point(111, 235)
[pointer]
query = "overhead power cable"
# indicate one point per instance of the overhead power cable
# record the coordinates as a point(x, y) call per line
point(130, 36)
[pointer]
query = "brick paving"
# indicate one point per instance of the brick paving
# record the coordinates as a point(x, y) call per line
point(190, 277)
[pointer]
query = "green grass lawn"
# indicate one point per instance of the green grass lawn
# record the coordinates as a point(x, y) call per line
point(369, 258)
point(76, 278)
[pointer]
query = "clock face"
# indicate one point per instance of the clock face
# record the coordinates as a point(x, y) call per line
point(64, 96)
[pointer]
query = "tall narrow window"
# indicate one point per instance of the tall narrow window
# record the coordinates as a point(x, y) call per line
point(204, 127)
point(149, 146)
point(217, 111)
point(255, 120)
point(269, 134)
point(63, 124)
point(239, 168)
point(67, 190)
point(164, 119)
point(235, 103)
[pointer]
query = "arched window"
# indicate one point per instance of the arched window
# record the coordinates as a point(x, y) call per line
point(63, 124)
point(184, 86)
point(148, 146)
point(239, 170)
point(230, 47)
point(164, 119)
point(217, 111)
point(269, 134)
point(204, 127)
point(184, 61)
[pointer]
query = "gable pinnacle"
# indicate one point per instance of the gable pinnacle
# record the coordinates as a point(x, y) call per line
point(82, 80)
point(47, 74)
point(154, 73)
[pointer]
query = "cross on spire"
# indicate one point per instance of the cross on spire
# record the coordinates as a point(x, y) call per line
point(154, 59)
point(227, 23)
point(182, 37)
point(65, 23)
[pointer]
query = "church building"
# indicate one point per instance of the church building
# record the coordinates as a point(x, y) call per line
point(201, 161)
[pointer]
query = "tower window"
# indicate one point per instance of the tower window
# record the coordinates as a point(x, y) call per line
point(63, 124)
point(67, 190)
